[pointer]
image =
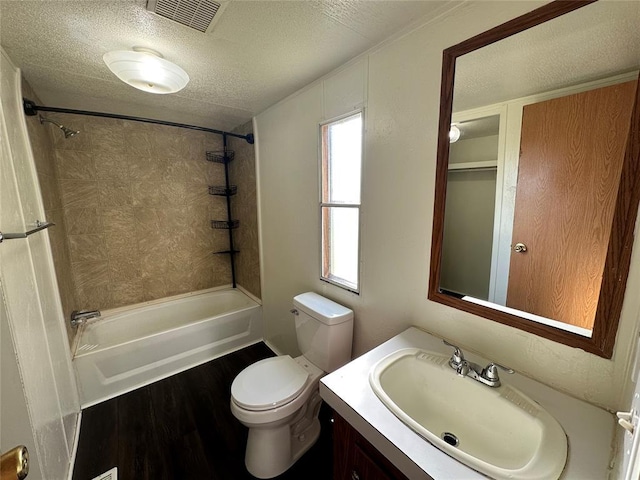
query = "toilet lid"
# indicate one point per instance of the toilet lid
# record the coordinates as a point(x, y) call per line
point(269, 383)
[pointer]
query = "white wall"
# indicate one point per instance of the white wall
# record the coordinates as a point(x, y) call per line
point(30, 290)
point(15, 423)
point(468, 232)
point(402, 96)
point(476, 149)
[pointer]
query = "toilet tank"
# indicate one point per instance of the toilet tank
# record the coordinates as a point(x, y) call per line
point(324, 330)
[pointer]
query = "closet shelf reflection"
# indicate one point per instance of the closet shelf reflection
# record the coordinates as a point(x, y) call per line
point(466, 166)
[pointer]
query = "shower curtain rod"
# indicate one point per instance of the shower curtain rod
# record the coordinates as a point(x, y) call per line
point(31, 109)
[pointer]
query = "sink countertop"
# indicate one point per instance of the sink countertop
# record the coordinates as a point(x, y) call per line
point(347, 391)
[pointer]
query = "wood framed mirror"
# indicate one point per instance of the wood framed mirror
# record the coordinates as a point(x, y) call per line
point(534, 215)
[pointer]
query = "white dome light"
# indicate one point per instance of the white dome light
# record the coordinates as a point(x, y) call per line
point(454, 134)
point(146, 70)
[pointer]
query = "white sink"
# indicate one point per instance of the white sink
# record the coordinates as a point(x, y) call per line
point(499, 432)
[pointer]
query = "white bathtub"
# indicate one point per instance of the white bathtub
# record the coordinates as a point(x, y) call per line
point(128, 348)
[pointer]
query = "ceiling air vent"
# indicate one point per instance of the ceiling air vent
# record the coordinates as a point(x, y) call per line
point(196, 14)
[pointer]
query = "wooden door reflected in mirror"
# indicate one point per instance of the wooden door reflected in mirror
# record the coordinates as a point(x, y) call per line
point(571, 154)
point(554, 258)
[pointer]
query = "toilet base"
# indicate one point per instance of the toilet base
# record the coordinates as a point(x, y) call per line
point(305, 441)
point(272, 451)
point(267, 455)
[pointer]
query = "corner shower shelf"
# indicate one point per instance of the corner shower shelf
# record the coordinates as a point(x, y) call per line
point(225, 156)
point(223, 191)
point(224, 224)
point(222, 156)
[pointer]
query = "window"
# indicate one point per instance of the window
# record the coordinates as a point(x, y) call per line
point(340, 200)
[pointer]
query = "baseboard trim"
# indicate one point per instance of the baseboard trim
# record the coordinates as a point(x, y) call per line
point(273, 348)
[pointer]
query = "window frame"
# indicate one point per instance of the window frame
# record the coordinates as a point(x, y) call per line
point(324, 193)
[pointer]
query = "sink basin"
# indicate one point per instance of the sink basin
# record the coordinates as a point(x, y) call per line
point(499, 432)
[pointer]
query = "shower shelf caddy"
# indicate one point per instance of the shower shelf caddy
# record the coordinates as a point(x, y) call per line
point(227, 190)
point(223, 191)
point(224, 224)
point(225, 156)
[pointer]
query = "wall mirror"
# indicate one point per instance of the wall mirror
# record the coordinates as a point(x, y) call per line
point(538, 173)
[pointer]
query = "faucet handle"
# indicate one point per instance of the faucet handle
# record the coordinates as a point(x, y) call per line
point(491, 371)
point(457, 358)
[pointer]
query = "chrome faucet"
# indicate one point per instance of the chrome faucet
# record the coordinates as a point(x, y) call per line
point(80, 317)
point(488, 375)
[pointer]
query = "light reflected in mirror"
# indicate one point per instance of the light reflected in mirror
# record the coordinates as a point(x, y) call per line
point(533, 181)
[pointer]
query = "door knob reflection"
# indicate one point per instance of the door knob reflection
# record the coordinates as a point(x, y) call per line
point(520, 248)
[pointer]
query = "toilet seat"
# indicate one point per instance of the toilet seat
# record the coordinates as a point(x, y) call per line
point(269, 383)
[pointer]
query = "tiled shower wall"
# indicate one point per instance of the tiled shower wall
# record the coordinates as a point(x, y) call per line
point(244, 207)
point(137, 210)
point(42, 147)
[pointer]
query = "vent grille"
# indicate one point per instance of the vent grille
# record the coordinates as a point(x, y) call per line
point(110, 475)
point(196, 14)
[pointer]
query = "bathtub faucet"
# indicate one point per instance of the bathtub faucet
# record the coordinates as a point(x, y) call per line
point(79, 317)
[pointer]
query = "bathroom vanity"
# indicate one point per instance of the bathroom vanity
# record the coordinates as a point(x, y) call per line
point(377, 445)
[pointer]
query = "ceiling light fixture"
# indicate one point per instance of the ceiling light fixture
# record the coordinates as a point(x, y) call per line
point(147, 70)
point(454, 133)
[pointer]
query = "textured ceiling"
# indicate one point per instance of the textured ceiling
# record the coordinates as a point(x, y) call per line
point(258, 52)
point(594, 42)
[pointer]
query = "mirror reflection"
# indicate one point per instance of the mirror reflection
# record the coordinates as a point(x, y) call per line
point(539, 133)
point(470, 208)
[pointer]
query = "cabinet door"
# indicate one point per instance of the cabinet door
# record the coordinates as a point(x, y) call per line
point(343, 451)
point(366, 468)
point(356, 459)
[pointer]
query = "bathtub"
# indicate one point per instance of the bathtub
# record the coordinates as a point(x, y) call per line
point(128, 348)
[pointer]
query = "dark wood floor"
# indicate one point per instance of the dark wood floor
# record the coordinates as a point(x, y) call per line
point(182, 428)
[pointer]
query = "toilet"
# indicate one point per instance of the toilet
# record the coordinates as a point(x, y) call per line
point(278, 398)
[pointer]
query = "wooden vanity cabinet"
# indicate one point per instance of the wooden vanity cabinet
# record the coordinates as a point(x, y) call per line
point(354, 458)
